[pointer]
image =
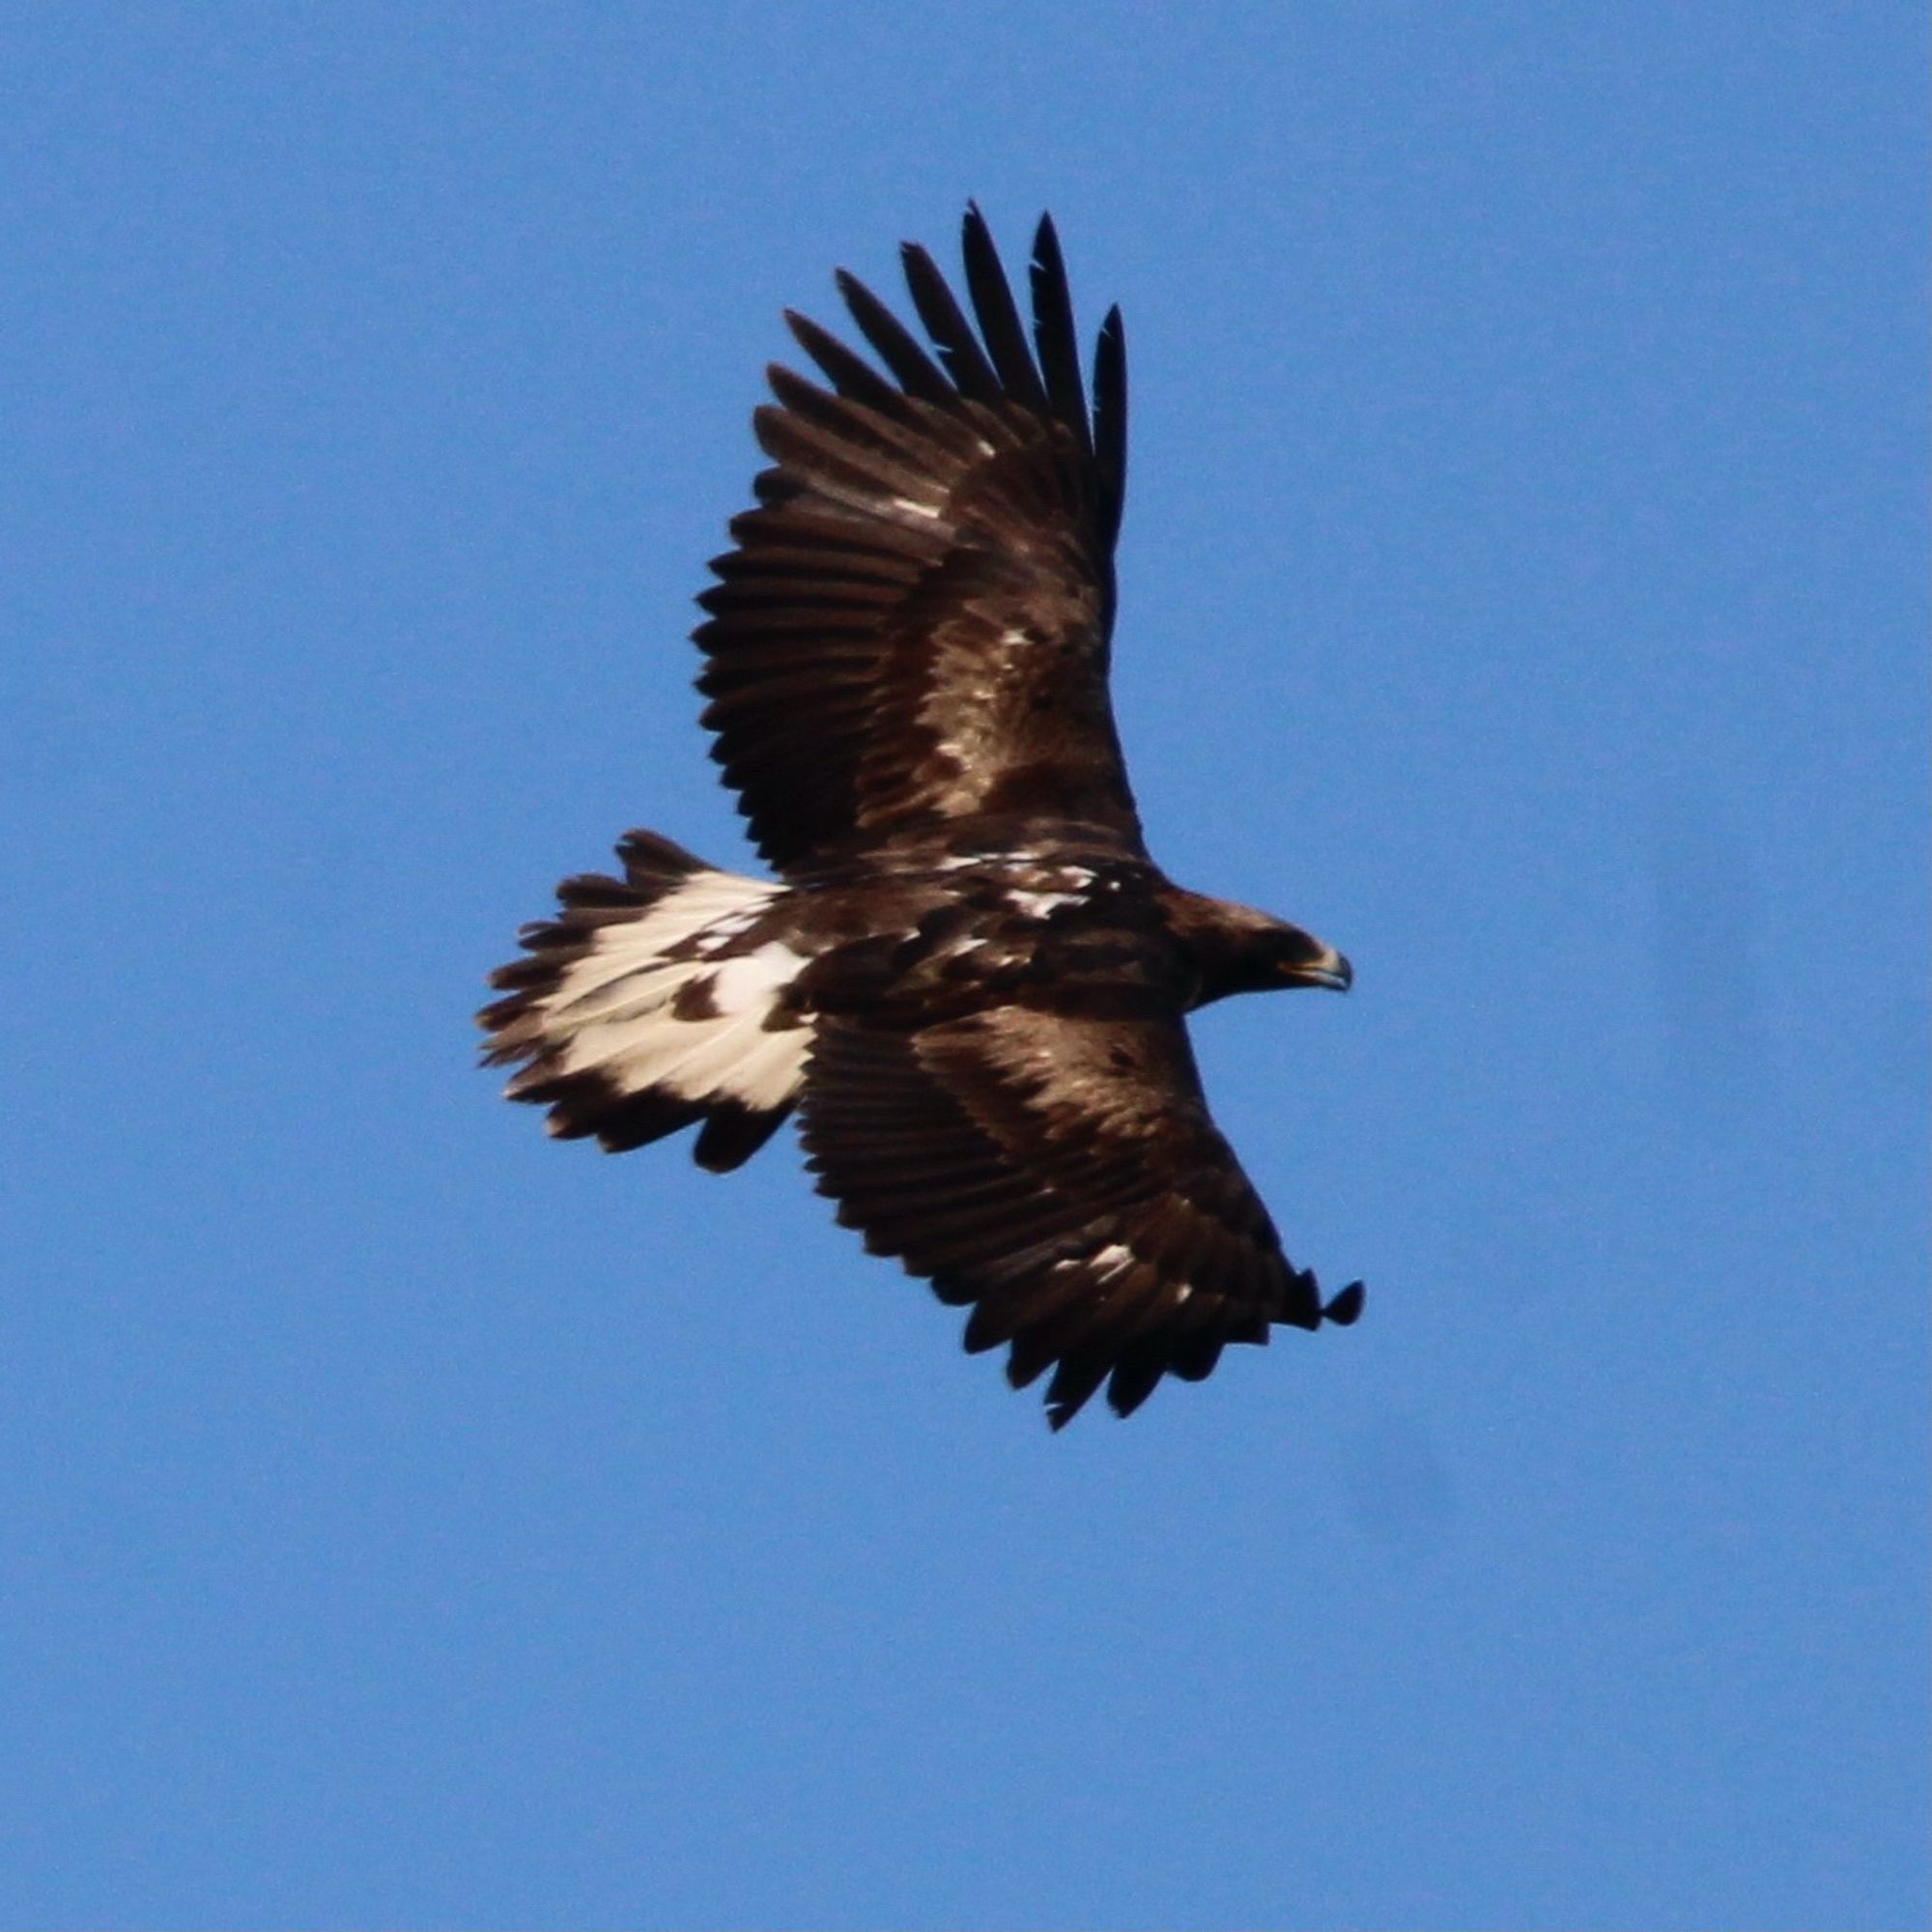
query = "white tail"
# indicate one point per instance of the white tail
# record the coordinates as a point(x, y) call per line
point(655, 1001)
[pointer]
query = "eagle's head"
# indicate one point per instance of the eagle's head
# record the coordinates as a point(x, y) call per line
point(1236, 950)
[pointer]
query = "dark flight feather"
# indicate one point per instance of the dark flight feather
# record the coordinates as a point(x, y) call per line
point(993, 303)
point(1054, 333)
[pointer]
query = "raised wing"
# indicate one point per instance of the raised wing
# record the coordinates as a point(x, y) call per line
point(913, 628)
point(1059, 1172)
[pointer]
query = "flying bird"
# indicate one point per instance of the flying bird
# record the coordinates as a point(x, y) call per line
point(968, 976)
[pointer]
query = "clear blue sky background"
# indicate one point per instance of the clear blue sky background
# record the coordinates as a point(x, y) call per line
point(406, 1520)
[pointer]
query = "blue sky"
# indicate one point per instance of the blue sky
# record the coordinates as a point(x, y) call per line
point(409, 1521)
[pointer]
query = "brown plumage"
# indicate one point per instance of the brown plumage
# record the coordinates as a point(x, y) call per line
point(970, 978)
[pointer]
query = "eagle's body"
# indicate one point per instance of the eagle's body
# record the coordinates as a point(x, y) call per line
point(968, 977)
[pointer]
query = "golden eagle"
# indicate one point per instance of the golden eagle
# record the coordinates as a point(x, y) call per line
point(968, 976)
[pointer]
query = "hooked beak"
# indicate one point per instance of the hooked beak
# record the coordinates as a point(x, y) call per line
point(1329, 969)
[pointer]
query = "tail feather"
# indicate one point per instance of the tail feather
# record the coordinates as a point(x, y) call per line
point(653, 1002)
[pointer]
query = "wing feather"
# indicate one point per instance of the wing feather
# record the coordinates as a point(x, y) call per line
point(993, 303)
point(851, 375)
point(913, 369)
point(952, 333)
point(1054, 334)
point(1110, 418)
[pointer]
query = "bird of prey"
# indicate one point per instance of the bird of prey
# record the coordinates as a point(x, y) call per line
point(968, 976)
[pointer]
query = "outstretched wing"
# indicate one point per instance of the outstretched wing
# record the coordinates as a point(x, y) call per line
point(1059, 1172)
point(913, 628)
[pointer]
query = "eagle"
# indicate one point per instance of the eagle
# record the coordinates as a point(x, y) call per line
point(968, 976)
